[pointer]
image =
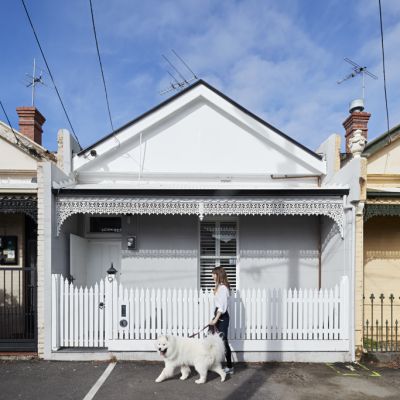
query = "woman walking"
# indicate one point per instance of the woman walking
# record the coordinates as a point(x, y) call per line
point(221, 315)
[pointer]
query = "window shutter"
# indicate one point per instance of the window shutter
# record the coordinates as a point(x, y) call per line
point(218, 246)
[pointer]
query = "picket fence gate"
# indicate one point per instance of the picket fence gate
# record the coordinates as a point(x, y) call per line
point(121, 319)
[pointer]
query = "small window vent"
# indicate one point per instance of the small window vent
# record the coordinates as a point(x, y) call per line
point(105, 225)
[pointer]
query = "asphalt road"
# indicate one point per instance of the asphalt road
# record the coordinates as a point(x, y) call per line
point(48, 380)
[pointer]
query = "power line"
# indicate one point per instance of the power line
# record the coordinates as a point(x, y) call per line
point(101, 65)
point(49, 71)
point(9, 123)
point(384, 69)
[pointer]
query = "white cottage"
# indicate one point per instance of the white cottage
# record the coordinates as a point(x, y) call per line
point(198, 181)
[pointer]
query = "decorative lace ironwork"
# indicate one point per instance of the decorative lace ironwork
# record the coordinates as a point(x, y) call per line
point(68, 205)
point(381, 210)
point(22, 204)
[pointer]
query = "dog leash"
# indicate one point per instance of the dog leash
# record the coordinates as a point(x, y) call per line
point(198, 333)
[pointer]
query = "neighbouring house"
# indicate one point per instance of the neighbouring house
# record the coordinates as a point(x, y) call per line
point(381, 244)
point(21, 152)
point(136, 222)
point(377, 232)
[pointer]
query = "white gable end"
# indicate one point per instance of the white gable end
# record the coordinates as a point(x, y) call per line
point(12, 158)
point(197, 135)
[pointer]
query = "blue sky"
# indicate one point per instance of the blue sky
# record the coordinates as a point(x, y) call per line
point(280, 59)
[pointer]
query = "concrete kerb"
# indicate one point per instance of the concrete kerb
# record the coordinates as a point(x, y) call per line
point(12, 356)
point(248, 357)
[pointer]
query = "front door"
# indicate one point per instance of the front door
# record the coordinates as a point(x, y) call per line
point(91, 258)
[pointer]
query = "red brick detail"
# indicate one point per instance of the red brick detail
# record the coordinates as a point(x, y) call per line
point(356, 120)
point(30, 123)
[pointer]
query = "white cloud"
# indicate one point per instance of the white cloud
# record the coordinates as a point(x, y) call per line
point(281, 60)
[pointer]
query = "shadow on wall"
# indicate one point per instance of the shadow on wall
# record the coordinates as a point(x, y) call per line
point(297, 266)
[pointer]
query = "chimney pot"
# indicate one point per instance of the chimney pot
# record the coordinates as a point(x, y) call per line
point(356, 105)
point(30, 123)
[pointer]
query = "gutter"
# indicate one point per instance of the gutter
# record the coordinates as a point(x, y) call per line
point(204, 192)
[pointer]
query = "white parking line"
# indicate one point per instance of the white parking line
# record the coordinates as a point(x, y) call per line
point(100, 381)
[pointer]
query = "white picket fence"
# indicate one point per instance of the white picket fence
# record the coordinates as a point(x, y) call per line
point(123, 319)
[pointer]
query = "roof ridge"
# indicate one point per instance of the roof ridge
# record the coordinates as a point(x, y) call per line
point(6, 133)
point(216, 91)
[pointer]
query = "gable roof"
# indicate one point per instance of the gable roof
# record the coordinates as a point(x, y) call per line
point(26, 145)
point(381, 141)
point(186, 90)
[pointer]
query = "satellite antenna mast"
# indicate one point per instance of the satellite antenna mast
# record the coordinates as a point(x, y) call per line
point(357, 69)
point(183, 62)
point(34, 81)
point(178, 85)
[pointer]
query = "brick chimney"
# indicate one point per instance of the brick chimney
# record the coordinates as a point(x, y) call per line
point(358, 119)
point(30, 123)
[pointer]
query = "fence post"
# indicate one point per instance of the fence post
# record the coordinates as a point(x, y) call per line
point(391, 298)
point(108, 314)
point(55, 313)
point(344, 309)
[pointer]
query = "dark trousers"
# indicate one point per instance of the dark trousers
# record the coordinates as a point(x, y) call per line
point(222, 326)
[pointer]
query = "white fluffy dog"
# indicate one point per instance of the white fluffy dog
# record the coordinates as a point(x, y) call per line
point(204, 354)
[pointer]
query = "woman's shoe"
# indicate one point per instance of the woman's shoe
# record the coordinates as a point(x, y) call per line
point(228, 370)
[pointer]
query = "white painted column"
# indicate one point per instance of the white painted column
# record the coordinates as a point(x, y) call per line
point(44, 286)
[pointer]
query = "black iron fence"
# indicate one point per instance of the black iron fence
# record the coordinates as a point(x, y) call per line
point(381, 323)
point(17, 308)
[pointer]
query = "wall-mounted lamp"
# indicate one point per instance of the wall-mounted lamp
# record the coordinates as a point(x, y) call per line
point(93, 153)
point(111, 272)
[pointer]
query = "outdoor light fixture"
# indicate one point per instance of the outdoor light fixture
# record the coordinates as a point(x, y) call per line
point(111, 272)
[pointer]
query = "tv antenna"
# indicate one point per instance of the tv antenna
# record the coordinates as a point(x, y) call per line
point(34, 80)
point(357, 70)
point(182, 82)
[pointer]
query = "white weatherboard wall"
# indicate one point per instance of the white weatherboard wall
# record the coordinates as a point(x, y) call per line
point(166, 255)
point(278, 252)
point(274, 252)
point(333, 261)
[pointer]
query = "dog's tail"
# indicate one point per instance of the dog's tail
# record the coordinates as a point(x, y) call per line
point(216, 346)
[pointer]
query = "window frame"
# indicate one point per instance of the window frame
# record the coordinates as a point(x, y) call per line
point(102, 235)
point(220, 219)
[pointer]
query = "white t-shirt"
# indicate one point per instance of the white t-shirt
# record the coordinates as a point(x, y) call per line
point(221, 298)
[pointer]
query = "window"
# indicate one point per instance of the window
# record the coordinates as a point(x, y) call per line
point(218, 246)
point(105, 225)
point(8, 250)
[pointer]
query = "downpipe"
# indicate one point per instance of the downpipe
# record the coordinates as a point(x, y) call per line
point(352, 208)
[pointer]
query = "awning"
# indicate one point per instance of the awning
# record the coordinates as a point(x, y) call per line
point(17, 204)
point(382, 202)
point(67, 205)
